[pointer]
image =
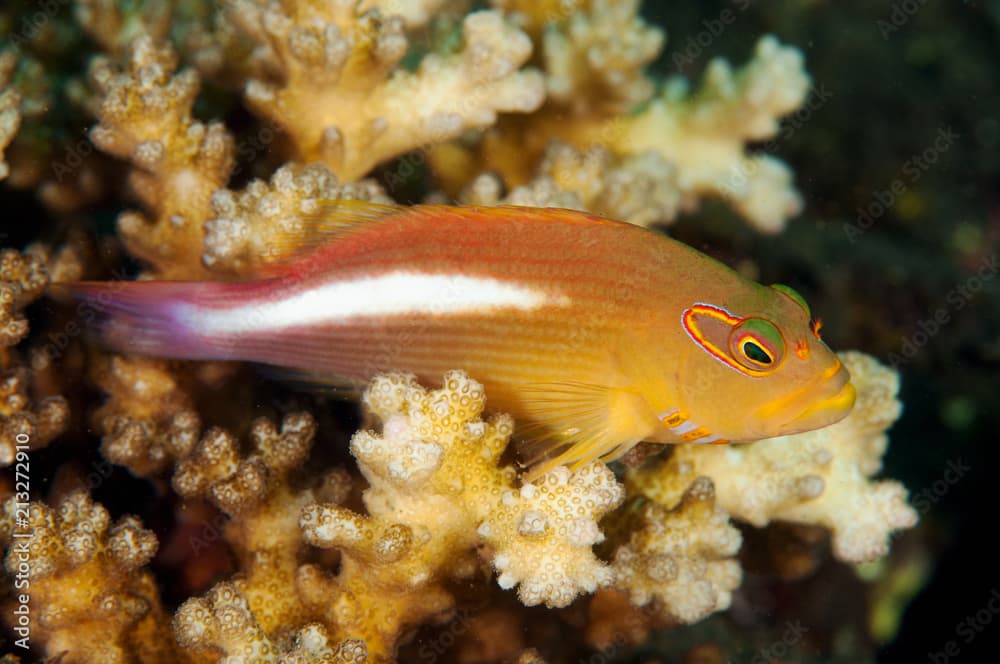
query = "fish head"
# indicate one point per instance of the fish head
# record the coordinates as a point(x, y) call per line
point(758, 367)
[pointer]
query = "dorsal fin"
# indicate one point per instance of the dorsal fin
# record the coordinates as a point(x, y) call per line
point(332, 219)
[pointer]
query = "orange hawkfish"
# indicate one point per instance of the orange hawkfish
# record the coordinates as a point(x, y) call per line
point(596, 334)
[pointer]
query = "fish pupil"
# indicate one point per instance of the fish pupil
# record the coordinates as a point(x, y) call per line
point(755, 352)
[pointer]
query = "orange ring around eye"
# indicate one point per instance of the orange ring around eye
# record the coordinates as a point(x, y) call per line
point(757, 346)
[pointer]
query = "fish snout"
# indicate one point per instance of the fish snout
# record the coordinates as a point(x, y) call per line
point(831, 402)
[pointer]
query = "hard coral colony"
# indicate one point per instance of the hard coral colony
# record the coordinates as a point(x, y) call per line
point(541, 103)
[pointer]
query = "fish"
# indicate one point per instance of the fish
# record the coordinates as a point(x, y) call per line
point(594, 334)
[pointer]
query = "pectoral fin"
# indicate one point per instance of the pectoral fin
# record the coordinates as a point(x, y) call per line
point(574, 423)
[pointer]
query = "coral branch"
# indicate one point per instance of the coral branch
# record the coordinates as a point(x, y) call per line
point(681, 557)
point(148, 420)
point(23, 278)
point(254, 489)
point(435, 494)
point(145, 117)
point(699, 141)
point(342, 99)
point(10, 107)
point(91, 599)
point(24, 424)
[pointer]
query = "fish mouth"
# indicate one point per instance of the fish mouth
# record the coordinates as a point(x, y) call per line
point(824, 401)
point(825, 411)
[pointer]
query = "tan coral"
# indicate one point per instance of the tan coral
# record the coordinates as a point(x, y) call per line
point(681, 557)
point(92, 600)
point(25, 100)
point(414, 13)
point(10, 107)
point(595, 58)
point(640, 189)
point(23, 279)
point(249, 226)
point(702, 136)
point(115, 25)
point(254, 490)
point(543, 534)
point(148, 420)
point(24, 425)
point(224, 621)
point(435, 493)
point(821, 477)
point(341, 98)
point(222, 52)
point(145, 117)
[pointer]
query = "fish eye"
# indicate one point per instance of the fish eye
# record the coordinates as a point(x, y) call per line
point(756, 344)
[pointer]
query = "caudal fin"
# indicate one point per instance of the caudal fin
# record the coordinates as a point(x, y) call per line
point(144, 317)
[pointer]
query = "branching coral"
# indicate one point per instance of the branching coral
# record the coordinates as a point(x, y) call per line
point(704, 134)
point(820, 477)
point(147, 420)
point(341, 98)
point(594, 78)
point(223, 619)
point(255, 491)
point(25, 100)
point(264, 613)
point(145, 117)
point(436, 492)
point(681, 557)
point(10, 107)
point(116, 25)
point(23, 423)
point(639, 189)
point(92, 601)
point(595, 54)
point(22, 279)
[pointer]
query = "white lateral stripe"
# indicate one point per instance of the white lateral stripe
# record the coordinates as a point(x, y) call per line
point(395, 293)
point(709, 439)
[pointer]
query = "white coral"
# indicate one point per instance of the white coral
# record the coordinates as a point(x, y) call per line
point(682, 556)
point(433, 470)
point(543, 534)
point(342, 99)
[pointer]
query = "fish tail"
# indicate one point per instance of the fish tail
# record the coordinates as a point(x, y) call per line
point(146, 317)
